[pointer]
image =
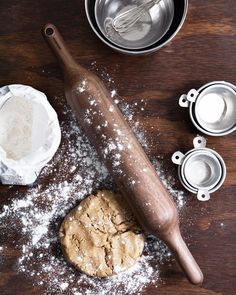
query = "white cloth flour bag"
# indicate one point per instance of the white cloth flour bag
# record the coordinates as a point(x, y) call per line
point(29, 134)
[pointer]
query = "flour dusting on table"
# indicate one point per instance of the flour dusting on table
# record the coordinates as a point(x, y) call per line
point(41, 209)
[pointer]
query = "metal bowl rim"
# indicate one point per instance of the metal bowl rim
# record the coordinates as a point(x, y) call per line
point(138, 48)
point(133, 52)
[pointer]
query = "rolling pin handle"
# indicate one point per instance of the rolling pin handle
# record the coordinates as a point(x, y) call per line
point(184, 257)
point(58, 46)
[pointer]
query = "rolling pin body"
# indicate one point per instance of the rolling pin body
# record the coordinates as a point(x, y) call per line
point(124, 157)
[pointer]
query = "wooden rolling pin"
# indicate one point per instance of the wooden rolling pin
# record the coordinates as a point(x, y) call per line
point(124, 157)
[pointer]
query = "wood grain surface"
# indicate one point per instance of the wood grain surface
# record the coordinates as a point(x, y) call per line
point(203, 51)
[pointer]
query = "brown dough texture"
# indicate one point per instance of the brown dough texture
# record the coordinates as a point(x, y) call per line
point(100, 237)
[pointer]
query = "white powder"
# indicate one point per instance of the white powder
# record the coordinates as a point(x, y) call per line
point(169, 183)
point(111, 109)
point(211, 108)
point(113, 93)
point(62, 185)
point(63, 286)
point(16, 127)
point(82, 86)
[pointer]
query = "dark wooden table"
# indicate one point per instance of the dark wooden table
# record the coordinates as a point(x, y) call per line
point(203, 51)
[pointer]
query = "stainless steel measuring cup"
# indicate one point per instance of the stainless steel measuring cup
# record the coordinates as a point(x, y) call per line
point(212, 108)
point(201, 171)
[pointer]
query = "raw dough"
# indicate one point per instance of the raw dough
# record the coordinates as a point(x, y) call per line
point(100, 237)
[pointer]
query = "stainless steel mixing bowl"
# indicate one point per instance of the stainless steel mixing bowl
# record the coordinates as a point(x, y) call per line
point(148, 30)
point(180, 12)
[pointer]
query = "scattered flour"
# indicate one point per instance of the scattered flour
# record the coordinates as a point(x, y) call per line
point(64, 286)
point(113, 93)
point(61, 186)
point(111, 109)
point(82, 86)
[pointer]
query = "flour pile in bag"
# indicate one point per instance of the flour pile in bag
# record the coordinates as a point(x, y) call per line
point(16, 127)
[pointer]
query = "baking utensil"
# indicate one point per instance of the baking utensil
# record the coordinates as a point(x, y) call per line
point(124, 157)
point(180, 11)
point(202, 171)
point(124, 21)
point(155, 22)
point(212, 108)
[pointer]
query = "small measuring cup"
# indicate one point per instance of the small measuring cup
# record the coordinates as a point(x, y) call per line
point(202, 171)
point(212, 108)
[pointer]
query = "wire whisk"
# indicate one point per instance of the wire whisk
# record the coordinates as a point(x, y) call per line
point(126, 20)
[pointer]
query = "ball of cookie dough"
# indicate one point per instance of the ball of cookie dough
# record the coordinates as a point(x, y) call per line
point(101, 237)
